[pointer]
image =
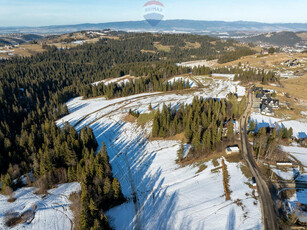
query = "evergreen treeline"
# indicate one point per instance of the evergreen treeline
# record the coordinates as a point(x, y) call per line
point(99, 190)
point(249, 74)
point(152, 77)
point(202, 122)
point(234, 55)
point(182, 48)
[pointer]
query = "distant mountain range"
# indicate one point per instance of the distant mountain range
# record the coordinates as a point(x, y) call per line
point(278, 38)
point(14, 39)
point(177, 26)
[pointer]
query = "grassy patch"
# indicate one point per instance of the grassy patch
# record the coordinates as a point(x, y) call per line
point(145, 117)
point(245, 171)
point(226, 180)
point(296, 86)
point(192, 45)
point(235, 157)
point(129, 118)
point(272, 62)
point(75, 207)
point(192, 160)
point(148, 51)
point(12, 219)
point(177, 137)
point(11, 199)
point(215, 162)
point(161, 47)
point(202, 168)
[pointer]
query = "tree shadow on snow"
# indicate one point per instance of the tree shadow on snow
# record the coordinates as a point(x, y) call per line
point(131, 163)
point(231, 221)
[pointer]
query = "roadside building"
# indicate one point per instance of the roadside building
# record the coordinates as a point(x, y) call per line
point(232, 149)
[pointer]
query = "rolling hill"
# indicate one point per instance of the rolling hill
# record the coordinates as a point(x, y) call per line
point(190, 26)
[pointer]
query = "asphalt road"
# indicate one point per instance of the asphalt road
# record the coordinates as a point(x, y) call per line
point(269, 216)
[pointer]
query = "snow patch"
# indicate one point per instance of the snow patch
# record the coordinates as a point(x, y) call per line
point(299, 128)
point(49, 212)
point(184, 79)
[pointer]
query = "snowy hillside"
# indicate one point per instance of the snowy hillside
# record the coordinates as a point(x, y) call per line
point(120, 81)
point(49, 212)
point(162, 195)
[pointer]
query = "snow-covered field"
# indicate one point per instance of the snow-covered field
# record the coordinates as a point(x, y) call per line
point(299, 127)
point(50, 212)
point(304, 113)
point(230, 76)
point(120, 80)
point(198, 63)
point(219, 88)
point(299, 153)
point(167, 196)
point(287, 174)
point(184, 79)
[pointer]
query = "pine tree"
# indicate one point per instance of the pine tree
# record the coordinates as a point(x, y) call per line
point(196, 140)
point(116, 188)
point(93, 208)
point(252, 125)
point(290, 132)
point(107, 187)
point(29, 182)
point(155, 126)
point(206, 139)
point(220, 132)
point(230, 132)
point(180, 152)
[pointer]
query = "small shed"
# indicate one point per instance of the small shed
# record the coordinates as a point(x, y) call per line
point(232, 149)
point(284, 163)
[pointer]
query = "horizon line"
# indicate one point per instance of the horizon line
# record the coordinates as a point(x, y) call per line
point(196, 20)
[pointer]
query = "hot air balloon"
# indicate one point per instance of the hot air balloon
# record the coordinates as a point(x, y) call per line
point(153, 12)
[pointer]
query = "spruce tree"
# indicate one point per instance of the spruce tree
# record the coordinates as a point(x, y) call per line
point(230, 132)
point(116, 188)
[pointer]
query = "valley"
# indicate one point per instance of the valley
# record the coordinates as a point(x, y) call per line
point(151, 131)
point(166, 195)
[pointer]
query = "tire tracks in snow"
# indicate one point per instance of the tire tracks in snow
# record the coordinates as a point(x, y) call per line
point(131, 100)
point(130, 177)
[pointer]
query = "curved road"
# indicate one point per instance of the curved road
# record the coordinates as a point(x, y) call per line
point(269, 217)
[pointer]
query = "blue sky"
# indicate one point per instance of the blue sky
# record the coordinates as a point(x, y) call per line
point(63, 12)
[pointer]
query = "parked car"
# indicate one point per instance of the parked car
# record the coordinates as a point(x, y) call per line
point(254, 184)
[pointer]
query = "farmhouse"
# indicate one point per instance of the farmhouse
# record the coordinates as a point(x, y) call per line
point(271, 102)
point(232, 149)
point(266, 109)
point(265, 100)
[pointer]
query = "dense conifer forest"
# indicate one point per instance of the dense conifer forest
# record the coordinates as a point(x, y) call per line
point(248, 74)
point(202, 122)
